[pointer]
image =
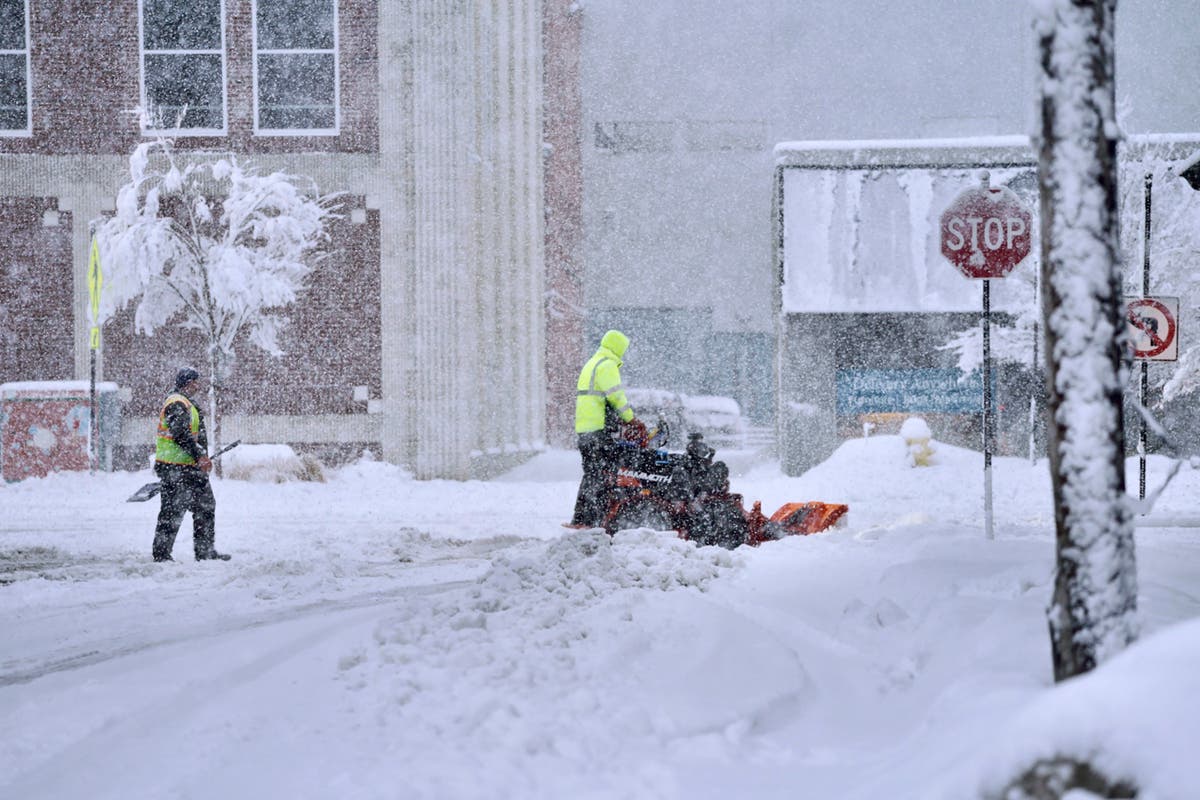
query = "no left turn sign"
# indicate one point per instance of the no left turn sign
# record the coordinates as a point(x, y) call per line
point(1153, 327)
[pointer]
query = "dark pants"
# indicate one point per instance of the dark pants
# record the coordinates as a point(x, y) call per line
point(185, 489)
point(599, 454)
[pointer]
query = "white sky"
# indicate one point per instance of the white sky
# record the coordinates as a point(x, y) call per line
point(855, 69)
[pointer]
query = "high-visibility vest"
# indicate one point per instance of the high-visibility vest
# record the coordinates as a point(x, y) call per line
point(600, 385)
point(166, 450)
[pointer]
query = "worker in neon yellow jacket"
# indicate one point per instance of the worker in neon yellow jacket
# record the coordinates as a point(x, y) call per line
point(600, 409)
point(182, 464)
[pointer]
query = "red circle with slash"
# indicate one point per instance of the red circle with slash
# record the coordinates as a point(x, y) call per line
point(1159, 342)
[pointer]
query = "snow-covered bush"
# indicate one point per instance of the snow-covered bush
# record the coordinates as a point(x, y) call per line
point(271, 463)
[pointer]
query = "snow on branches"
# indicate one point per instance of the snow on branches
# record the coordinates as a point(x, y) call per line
point(218, 246)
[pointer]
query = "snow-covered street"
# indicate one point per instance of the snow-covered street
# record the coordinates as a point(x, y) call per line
point(380, 637)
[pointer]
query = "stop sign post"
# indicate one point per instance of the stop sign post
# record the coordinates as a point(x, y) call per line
point(985, 233)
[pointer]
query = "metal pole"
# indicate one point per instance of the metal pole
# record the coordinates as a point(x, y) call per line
point(1146, 237)
point(1142, 439)
point(1149, 185)
point(987, 409)
point(93, 422)
point(1037, 301)
point(95, 282)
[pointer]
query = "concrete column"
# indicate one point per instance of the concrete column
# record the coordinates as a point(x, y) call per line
point(563, 218)
point(395, 199)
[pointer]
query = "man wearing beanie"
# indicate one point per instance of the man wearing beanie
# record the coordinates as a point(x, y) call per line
point(181, 462)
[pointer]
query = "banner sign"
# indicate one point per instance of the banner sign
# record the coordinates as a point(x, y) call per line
point(917, 391)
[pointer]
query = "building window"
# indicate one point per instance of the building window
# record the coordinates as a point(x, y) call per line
point(183, 66)
point(295, 67)
point(14, 68)
point(635, 136)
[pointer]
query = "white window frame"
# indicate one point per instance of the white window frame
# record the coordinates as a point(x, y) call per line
point(146, 122)
point(337, 77)
point(28, 129)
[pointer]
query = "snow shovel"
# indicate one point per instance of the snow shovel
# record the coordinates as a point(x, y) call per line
point(151, 489)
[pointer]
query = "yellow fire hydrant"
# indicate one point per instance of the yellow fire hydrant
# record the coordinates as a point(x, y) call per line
point(917, 438)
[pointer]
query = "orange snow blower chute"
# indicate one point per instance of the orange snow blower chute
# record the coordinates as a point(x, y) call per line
point(688, 492)
point(811, 517)
point(793, 519)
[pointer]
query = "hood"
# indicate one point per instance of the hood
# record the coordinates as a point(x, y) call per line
point(616, 343)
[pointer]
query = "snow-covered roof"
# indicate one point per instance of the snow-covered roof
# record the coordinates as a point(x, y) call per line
point(858, 153)
point(17, 388)
point(1013, 149)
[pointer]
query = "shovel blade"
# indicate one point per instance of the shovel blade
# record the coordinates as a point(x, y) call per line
point(145, 493)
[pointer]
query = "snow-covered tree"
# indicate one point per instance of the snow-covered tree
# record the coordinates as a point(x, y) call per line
point(209, 244)
point(1092, 615)
point(1010, 343)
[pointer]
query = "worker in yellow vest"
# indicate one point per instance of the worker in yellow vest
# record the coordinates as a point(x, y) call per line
point(600, 410)
point(181, 462)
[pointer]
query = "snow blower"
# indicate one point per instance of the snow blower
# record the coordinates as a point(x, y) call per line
point(689, 493)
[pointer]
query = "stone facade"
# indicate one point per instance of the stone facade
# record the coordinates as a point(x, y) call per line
point(430, 295)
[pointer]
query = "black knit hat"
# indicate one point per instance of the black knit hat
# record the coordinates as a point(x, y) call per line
point(185, 376)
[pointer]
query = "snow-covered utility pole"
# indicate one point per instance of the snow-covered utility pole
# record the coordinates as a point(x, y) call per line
point(1092, 615)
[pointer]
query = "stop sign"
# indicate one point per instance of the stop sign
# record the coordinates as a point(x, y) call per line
point(986, 232)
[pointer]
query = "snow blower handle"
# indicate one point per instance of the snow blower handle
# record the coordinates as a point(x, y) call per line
point(659, 435)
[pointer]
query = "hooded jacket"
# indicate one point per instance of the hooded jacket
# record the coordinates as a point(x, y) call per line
point(599, 385)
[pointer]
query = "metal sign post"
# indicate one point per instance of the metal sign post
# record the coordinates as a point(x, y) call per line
point(987, 408)
point(1145, 366)
point(1153, 335)
point(95, 284)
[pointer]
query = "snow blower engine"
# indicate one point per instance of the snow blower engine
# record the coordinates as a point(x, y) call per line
point(689, 492)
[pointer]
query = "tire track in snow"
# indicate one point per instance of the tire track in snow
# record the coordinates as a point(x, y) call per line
point(417, 553)
point(89, 656)
point(103, 759)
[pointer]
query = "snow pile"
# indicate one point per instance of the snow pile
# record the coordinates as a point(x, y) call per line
point(534, 659)
point(1135, 718)
point(270, 463)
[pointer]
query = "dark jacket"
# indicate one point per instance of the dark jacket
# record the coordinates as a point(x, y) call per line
point(179, 423)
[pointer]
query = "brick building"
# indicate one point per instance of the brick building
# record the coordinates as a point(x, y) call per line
point(422, 335)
